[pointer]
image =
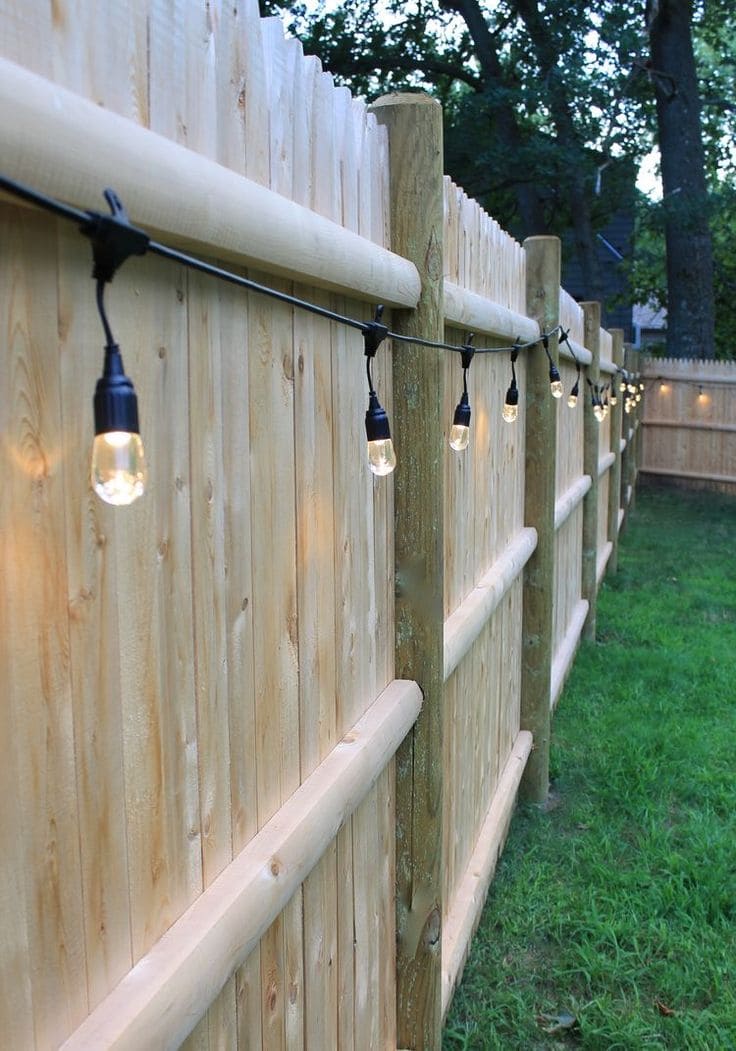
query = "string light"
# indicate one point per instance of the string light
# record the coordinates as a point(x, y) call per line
point(460, 432)
point(119, 471)
point(595, 401)
point(555, 383)
point(511, 402)
point(381, 455)
point(572, 398)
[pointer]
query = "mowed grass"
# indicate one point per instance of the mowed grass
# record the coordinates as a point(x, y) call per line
point(616, 906)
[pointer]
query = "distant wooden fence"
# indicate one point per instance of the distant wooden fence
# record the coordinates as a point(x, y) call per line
point(266, 727)
point(689, 421)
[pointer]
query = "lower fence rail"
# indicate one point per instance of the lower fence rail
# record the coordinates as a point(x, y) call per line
point(464, 913)
point(159, 1002)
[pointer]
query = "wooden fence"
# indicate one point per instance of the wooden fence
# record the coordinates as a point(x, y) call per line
point(266, 727)
point(689, 422)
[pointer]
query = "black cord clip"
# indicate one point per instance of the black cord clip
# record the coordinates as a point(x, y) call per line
point(113, 238)
point(467, 350)
point(374, 333)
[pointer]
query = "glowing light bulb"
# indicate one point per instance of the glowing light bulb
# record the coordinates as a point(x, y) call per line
point(572, 399)
point(459, 437)
point(555, 383)
point(381, 456)
point(119, 473)
point(614, 396)
point(599, 412)
point(511, 404)
point(460, 432)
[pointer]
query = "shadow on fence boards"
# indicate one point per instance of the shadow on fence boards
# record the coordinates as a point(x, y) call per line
point(265, 727)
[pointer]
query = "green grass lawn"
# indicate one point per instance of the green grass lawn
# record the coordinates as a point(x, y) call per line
point(616, 906)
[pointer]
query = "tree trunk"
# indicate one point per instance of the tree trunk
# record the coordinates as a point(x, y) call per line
point(690, 303)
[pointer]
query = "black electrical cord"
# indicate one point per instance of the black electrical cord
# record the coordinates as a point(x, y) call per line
point(88, 223)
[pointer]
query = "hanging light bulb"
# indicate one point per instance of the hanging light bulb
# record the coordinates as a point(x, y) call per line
point(555, 383)
point(381, 455)
point(460, 432)
point(119, 471)
point(614, 395)
point(572, 398)
point(511, 402)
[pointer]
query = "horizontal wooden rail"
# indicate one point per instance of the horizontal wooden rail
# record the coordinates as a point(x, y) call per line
point(603, 556)
point(160, 1001)
point(723, 479)
point(465, 624)
point(692, 425)
point(608, 367)
point(565, 655)
point(470, 311)
point(570, 499)
point(579, 352)
point(464, 913)
point(606, 463)
point(65, 145)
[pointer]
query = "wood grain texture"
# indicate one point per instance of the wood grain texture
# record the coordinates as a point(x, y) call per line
point(617, 417)
point(591, 503)
point(543, 303)
point(415, 147)
point(161, 999)
point(44, 130)
point(467, 904)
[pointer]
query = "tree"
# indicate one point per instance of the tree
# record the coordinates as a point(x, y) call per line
point(523, 96)
point(549, 104)
point(689, 250)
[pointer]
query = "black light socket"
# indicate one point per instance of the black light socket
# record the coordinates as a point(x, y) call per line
point(462, 412)
point(376, 420)
point(115, 400)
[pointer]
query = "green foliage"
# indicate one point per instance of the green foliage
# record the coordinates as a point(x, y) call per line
point(616, 904)
point(647, 274)
point(549, 106)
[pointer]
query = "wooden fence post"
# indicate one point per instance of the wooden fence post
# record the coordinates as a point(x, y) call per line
point(614, 485)
point(632, 428)
point(591, 455)
point(414, 123)
point(542, 304)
